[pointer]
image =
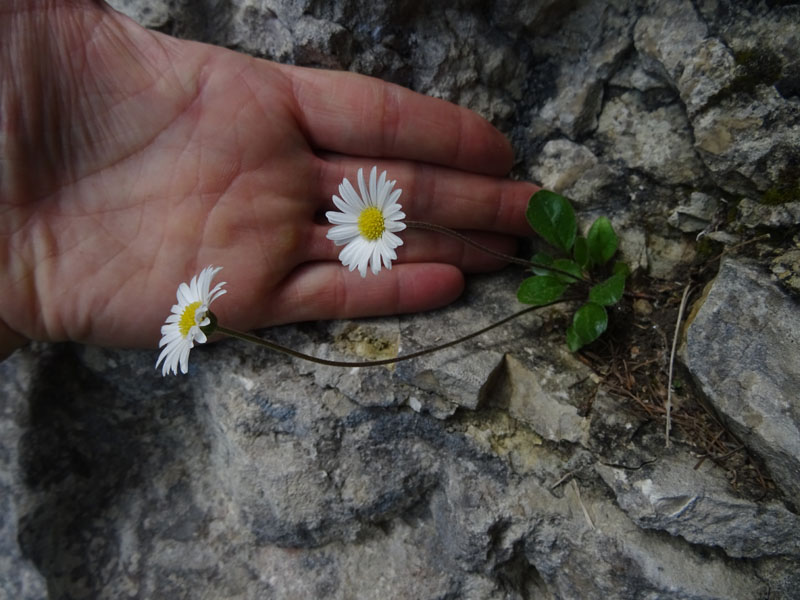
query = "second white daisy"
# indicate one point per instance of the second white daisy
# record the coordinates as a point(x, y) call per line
point(367, 223)
point(185, 324)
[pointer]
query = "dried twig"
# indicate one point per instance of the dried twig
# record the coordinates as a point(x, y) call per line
point(583, 506)
point(668, 425)
point(566, 476)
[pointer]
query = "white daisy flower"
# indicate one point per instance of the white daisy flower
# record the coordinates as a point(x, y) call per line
point(367, 223)
point(184, 326)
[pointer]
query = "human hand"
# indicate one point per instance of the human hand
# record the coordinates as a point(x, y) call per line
point(131, 160)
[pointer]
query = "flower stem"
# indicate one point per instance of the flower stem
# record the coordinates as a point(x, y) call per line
point(506, 257)
point(246, 337)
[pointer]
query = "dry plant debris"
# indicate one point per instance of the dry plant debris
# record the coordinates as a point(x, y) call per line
point(633, 362)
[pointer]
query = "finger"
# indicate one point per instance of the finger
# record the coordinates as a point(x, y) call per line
point(426, 247)
point(329, 291)
point(439, 195)
point(363, 116)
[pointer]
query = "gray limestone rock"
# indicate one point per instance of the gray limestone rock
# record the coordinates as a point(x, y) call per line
point(462, 375)
point(589, 55)
point(574, 111)
point(561, 163)
point(614, 433)
point(667, 255)
point(731, 87)
point(152, 14)
point(786, 269)
point(657, 142)
point(674, 42)
point(611, 544)
point(742, 346)
point(538, 396)
point(572, 170)
point(698, 505)
point(753, 214)
point(251, 479)
point(19, 577)
point(696, 215)
point(732, 138)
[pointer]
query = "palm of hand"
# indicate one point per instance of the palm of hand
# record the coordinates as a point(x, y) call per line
point(169, 155)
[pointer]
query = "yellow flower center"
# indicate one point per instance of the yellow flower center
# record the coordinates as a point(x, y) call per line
point(187, 318)
point(370, 223)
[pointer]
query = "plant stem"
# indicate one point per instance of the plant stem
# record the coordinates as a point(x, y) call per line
point(446, 231)
point(246, 337)
point(506, 257)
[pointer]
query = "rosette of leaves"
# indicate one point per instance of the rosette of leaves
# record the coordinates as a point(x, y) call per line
point(581, 263)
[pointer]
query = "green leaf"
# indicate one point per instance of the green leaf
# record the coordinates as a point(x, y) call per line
point(540, 290)
point(541, 258)
point(551, 216)
point(574, 343)
point(570, 266)
point(589, 323)
point(608, 292)
point(602, 241)
point(621, 268)
point(581, 252)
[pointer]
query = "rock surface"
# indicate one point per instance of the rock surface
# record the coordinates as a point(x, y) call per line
point(254, 482)
point(753, 378)
point(697, 504)
point(499, 469)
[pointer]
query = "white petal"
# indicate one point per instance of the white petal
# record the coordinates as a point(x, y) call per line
point(169, 355)
point(162, 356)
point(388, 257)
point(344, 207)
point(363, 188)
point(184, 295)
point(388, 253)
point(206, 276)
point(394, 213)
point(346, 254)
point(383, 191)
point(352, 252)
point(170, 362)
point(391, 240)
point(216, 293)
point(342, 234)
point(184, 360)
point(395, 226)
point(337, 218)
point(170, 335)
point(361, 255)
point(373, 188)
point(362, 266)
point(165, 368)
point(350, 196)
point(376, 259)
point(393, 198)
point(195, 291)
point(387, 197)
